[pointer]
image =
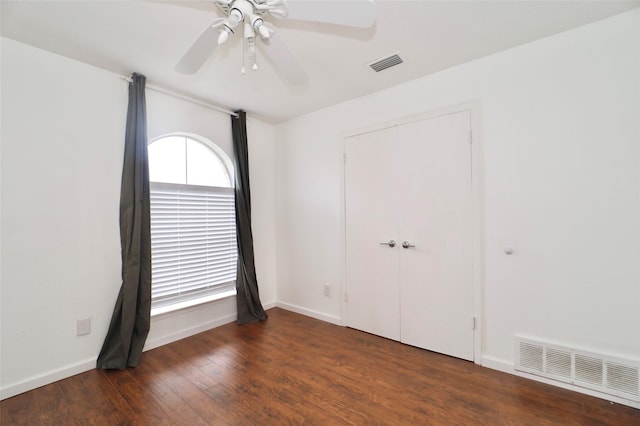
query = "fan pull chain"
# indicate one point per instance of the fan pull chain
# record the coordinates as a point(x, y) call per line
point(255, 59)
point(252, 52)
point(243, 71)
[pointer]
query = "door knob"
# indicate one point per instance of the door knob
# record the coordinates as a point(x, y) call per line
point(405, 244)
point(390, 243)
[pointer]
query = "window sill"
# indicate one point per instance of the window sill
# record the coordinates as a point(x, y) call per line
point(191, 303)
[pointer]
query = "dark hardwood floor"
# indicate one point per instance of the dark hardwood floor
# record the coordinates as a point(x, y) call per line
point(296, 370)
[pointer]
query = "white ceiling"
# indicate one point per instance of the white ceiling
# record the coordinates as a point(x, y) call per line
point(150, 38)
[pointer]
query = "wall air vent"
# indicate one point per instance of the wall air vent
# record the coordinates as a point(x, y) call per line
point(603, 373)
point(385, 63)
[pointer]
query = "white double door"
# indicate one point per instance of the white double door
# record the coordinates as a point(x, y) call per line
point(411, 184)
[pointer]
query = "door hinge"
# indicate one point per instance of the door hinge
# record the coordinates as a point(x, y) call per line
point(346, 297)
point(473, 323)
point(470, 136)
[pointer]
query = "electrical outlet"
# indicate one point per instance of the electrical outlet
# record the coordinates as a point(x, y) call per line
point(327, 291)
point(83, 327)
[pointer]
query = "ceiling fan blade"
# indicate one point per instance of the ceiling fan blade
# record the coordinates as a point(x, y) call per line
point(353, 13)
point(285, 63)
point(201, 50)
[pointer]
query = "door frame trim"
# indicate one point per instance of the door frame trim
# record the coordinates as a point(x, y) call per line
point(477, 200)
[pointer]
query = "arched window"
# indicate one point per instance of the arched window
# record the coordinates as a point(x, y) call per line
point(193, 230)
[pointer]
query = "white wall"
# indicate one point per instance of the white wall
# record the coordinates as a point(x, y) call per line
point(61, 161)
point(62, 145)
point(561, 138)
point(262, 173)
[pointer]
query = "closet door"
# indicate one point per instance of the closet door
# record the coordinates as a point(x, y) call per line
point(371, 201)
point(411, 184)
point(436, 286)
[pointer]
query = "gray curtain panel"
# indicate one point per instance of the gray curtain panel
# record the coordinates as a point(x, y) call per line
point(132, 313)
point(250, 308)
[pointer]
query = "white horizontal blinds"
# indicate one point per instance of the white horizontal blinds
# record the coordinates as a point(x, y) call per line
point(193, 242)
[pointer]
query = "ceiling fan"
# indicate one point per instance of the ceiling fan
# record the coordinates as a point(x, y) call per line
point(252, 14)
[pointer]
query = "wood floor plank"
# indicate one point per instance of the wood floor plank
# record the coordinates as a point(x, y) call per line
point(195, 402)
point(160, 381)
point(293, 369)
point(94, 400)
point(145, 406)
point(48, 408)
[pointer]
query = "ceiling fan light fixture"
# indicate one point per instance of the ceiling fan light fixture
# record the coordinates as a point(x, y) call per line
point(264, 32)
point(235, 17)
point(224, 35)
point(353, 13)
point(258, 25)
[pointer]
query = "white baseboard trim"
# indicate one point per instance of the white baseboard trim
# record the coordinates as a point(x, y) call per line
point(89, 364)
point(187, 332)
point(508, 367)
point(497, 364)
point(310, 313)
point(267, 306)
point(47, 378)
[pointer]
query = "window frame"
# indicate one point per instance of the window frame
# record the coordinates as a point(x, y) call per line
point(227, 163)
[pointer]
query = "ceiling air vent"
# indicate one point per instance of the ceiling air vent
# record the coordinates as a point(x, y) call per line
point(384, 63)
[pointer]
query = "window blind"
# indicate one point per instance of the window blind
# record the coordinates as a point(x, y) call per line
point(193, 242)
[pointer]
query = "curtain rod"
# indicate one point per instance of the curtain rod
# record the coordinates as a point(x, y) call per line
point(182, 96)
